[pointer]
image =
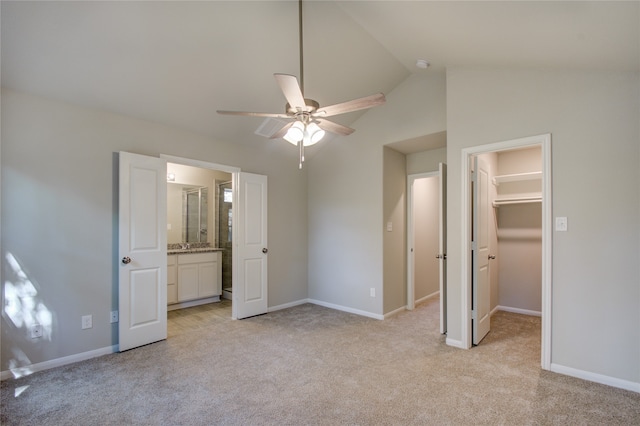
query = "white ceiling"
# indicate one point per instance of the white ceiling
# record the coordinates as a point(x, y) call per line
point(178, 62)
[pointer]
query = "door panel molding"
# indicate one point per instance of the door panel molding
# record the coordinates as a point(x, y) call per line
point(142, 250)
point(250, 296)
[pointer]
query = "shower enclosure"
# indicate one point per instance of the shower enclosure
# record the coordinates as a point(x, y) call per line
point(194, 215)
point(225, 226)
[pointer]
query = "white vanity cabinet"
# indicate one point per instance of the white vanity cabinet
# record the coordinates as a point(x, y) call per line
point(172, 279)
point(199, 275)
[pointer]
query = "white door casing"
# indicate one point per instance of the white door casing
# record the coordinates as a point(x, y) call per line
point(142, 260)
point(250, 287)
point(481, 310)
point(544, 141)
point(442, 245)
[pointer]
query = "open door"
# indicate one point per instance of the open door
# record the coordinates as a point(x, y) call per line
point(442, 246)
point(250, 287)
point(481, 291)
point(142, 250)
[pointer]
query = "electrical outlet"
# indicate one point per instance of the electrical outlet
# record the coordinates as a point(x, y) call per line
point(36, 331)
point(87, 321)
point(114, 316)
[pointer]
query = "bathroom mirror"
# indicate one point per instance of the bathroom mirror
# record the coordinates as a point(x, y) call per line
point(187, 213)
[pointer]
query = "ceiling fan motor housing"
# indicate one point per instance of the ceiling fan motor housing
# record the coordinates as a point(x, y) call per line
point(310, 107)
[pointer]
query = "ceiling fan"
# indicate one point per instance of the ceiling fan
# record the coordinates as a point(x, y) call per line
point(307, 120)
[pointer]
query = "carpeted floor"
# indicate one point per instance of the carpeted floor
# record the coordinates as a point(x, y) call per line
point(316, 366)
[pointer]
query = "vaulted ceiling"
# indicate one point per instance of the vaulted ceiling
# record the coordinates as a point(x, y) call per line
point(178, 62)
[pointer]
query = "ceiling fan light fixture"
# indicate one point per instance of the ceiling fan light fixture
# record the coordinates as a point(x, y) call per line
point(313, 134)
point(306, 122)
point(295, 133)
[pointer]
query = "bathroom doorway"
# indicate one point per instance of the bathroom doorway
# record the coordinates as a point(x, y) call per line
point(199, 244)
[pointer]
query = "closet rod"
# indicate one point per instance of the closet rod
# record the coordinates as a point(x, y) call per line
point(524, 200)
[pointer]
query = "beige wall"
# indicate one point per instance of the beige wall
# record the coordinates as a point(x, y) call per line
point(593, 120)
point(520, 235)
point(426, 161)
point(394, 239)
point(345, 193)
point(59, 217)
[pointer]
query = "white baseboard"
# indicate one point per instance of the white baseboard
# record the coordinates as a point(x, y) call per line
point(455, 343)
point(516, 311)
point(392, 313)
point(58, 362)
point(346, 309)
point(427, 297)
point(595, 377)
point(287, 305)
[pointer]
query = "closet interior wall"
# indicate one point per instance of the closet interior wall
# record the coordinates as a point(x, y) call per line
point(518, 218)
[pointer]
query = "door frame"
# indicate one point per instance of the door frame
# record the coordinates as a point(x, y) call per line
point(235, 174)
point(411, 234)
point(544, 142)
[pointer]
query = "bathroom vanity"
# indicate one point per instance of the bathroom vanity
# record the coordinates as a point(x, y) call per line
point(194, 277)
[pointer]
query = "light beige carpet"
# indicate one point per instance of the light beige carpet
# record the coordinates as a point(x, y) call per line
point(313, 365)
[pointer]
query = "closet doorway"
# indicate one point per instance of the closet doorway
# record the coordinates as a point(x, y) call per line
point(517, 233)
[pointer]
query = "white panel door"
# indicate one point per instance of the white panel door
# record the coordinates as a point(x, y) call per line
point(142, 250)
point(481, 292)
point(442, 243)
point(250, 287)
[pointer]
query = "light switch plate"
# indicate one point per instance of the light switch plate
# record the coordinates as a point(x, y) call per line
point(561, 224)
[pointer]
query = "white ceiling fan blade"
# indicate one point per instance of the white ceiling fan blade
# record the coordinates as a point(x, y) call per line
point(336, 128)
point(291, 89)
point(253, 114)
point(283, 131)
point(349, 106)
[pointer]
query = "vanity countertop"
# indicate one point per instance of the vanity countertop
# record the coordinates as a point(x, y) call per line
point(194, 250)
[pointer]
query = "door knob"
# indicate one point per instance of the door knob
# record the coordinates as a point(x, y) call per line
point(264, 250)
point(126, 260)
point(441, 256)
point(492, 256)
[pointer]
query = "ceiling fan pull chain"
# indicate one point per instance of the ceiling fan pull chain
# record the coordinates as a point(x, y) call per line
point(301, 146)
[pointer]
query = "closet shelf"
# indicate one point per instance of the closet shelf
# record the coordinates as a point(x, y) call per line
point(517, 177)
point(518, 199)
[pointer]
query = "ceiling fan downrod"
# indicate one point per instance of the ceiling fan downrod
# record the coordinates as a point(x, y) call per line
point(301, 47)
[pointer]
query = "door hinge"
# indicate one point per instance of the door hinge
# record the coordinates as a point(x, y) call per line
point(474, 315)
